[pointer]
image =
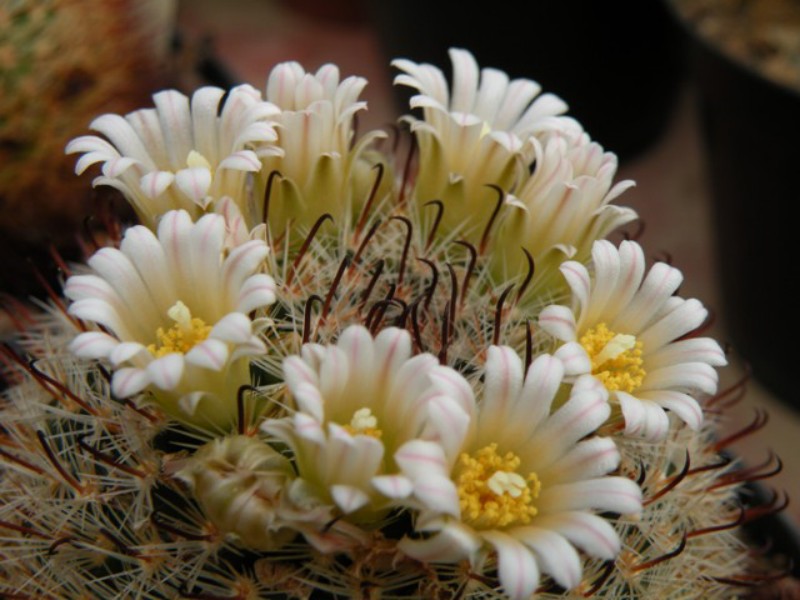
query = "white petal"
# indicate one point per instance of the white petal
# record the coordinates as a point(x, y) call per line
point(348, 498)
point(126, 351)
point(233, 327)
point(606, 260)
point(241, 263)
point(554, 554)
point(205, 105)
point(194, 183)
point(660, 283)
point(614, 494)
point(590, 458)
point(306, 427)
point(309, 400)
point(683, 405)
point(503, 381)
point(452, 543)
point(686, 376)
point(257, 292)
point(575, 359)
point(447, 423)
point(589, 532)
point(517, 568)
point(176, 124)
point(392, 348)
point(705, 350)
point(680, 321)
point(244, 160)
point(166, 372)
point(417, 458)
point(579, 281)
point(542, 381)
point(437, 494)
point(208, 354)
point(129, 381)
point(93, 344)
point(393, 486)
point(558, 321)
point(583, 413)
point(643, 418)
point(450, 383)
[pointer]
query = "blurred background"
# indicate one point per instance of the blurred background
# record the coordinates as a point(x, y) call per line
point(699, 98)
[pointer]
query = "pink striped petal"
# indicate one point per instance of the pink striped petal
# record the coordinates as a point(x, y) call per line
point(194, 182)
point(395, 487)
point(125, 351)
point(166, 372)
point(703, 350)
point(589, 532)
point(453, 543)
point(209, 354)
point(517, 568)
point(503, 381)
point(348, 498)
point(683, 377)
point(93, 344)
point(574, 358)
point(588, 459)
point(683, 405)
point(643, 418)
point(614, 494)
point(554, 554)
point(558, 321)
point(156, 183)
point(129, 381)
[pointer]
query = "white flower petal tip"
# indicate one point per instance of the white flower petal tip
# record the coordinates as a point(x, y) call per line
point(171, 305)
point(348, 498)
point(634, 331)
point(365, 398)
point(395, 487)
point(181, 141)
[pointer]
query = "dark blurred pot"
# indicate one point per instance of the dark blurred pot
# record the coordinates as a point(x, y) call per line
point(752, 131)
point(617, 64)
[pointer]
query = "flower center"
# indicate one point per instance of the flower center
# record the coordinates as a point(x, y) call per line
point(184, 335)
point(364, 423)
point(492, 493)
point(616, 358)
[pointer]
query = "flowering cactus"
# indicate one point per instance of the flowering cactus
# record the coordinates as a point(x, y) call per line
point(305, 376)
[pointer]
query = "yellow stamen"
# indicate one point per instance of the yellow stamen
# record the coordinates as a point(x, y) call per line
point(364, 423)
point(181, 337)
point(491, 492)
point(195, 159)
point(616, 358)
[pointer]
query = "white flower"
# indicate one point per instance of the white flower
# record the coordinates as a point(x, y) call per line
point(478, 133)
point(359, 403)
point(175, 309)
point(561, 209)
point(313, 151)
point(178, 155)
point(629, 327)
point(526, 482)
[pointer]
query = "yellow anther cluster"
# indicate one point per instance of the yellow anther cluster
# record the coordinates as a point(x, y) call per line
point(364, 423)
point(184, 335)
point(491, 492)
point(616, 358)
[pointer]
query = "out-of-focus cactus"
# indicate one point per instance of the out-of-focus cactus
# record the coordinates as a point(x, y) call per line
point(61, 63)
